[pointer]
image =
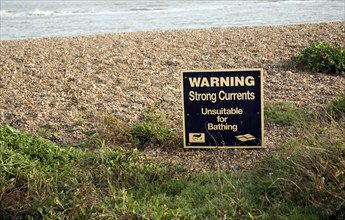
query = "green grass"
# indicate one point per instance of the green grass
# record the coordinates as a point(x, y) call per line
point(321, 57)
point(336, 108)
point(283, 113)
point(308, 170)
point(304, 179)
point(152, 129)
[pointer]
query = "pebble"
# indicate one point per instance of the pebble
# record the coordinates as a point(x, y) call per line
point(60, 80)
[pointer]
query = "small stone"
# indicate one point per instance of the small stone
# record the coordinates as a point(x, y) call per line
point(118, 76)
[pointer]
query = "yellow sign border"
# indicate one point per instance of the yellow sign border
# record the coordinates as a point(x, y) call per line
point(261, 103)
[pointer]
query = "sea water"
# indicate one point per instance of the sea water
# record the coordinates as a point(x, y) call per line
point(48, 18)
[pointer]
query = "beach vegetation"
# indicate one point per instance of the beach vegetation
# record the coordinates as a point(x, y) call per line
point(308, 170)
point(80, 121)
point(283, 113)
point(336, 108)
point(153, 128)
point(321, 57)
point(47, 133)
point(108, 131)
point(303, 179)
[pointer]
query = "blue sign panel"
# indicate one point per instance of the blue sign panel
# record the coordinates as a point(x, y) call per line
point(223, 109)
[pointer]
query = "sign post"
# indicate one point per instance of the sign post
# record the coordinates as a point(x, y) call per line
point(223, 108)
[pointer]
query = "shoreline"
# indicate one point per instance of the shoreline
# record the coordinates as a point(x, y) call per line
point(53, 83)
point(173, 30)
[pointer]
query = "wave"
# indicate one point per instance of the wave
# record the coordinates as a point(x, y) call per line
point(43, 13)
point(56, 13)
point(171, 9)
point(6, 12)
point(300, 1)
point(38, 12)
point(145, 9)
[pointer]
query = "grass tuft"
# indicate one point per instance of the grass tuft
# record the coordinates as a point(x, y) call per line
point(283, 113)
point(321, 57)
point(304, 179)
point(336, 108)
point(309, 169)
point(152, 129)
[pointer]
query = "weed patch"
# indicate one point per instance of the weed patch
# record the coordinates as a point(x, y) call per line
point(283, 113)
point(304, 179)
point(153, 128)
point(321, 57)
point(110, 131)
point(336, 108)
point(309, 170)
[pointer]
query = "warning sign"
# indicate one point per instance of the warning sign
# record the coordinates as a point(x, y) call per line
point(223, 109)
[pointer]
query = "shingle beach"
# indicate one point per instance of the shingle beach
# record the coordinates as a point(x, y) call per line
point(53, 83)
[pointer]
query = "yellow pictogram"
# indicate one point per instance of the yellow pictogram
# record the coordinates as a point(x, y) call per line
point(245, 137)
point(197, 137)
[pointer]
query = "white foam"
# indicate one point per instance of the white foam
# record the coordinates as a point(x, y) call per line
point(301, 1)
point(6, 13)
point(78, 17)
point(38, 12)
